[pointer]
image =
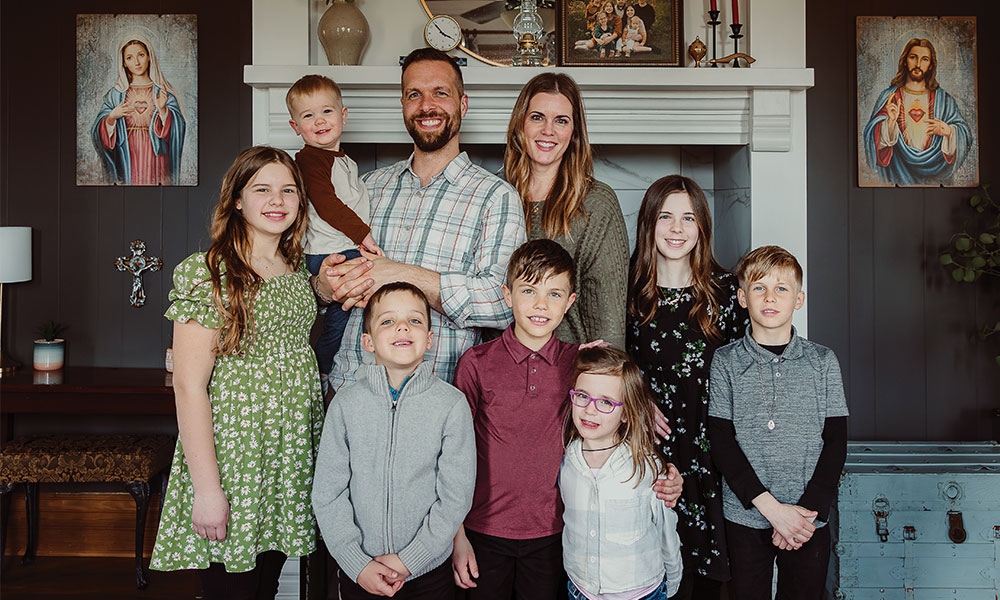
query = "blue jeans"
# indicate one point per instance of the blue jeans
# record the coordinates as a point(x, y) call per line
point(659, 593)
point(334, 318)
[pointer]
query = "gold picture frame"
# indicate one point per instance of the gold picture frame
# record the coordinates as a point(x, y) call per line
point(654, 40)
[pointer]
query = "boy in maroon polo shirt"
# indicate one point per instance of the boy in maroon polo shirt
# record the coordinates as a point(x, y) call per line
point(517, 386)
point(511, 543)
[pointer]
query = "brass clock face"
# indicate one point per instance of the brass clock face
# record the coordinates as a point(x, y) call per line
point(443, 33)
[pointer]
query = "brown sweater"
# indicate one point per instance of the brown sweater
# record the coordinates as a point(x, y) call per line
point(599, 245)
point(315, 165)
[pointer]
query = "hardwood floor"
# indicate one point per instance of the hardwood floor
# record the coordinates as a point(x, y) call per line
point(89, 578)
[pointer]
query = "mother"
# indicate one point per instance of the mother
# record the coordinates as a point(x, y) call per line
point(548, 159)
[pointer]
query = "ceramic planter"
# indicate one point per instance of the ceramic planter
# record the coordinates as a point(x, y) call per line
point(49, 354)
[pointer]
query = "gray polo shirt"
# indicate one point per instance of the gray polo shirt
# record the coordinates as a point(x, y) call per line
point(797, 391)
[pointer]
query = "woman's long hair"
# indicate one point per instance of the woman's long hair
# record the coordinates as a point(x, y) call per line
point(576, 171)
point(643, 292)
point(637, 429)
point(232, 246)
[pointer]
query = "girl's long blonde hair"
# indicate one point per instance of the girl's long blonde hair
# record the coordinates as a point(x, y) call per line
point(232, 245)
point(643, 292)
point(637, 428)
point(576, 171)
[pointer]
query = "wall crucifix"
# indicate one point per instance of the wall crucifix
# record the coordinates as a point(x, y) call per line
point(137, 264)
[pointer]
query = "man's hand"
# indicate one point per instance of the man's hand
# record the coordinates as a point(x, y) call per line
point(374, 578)
point(345, 280)
point(669, 487)
point(892, 108)
point(939, 127)
point(463, 561)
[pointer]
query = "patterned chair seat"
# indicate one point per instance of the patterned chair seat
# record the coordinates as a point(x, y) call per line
point(131, 459)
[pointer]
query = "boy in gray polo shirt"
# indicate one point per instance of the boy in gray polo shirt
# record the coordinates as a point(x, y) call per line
point(778, 432)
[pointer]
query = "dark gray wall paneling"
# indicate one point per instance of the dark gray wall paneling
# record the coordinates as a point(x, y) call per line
point(79, 231)
point(902, 328)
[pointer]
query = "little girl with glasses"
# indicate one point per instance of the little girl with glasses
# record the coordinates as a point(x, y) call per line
point(619, 541)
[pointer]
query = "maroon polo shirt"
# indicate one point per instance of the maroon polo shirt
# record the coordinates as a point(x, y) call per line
point(518, 399)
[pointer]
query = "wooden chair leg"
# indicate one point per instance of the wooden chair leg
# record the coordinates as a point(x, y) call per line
point(140, 493)
point(31, 520)
point(5, 489)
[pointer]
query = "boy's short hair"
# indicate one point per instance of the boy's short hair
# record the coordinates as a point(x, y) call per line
point(385, 290)
point(758, 263)
point(311, 84)
point(538, 259)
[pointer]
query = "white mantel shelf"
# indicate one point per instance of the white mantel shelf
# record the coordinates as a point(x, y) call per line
point(634, 106)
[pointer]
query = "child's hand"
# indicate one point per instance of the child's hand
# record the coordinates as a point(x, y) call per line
point(369, 244)
point(374, 579)
point(661, 424)
point(792, 523)
point(669, 488)
point(463, 561)
point(594, 344)
point(210, 514)
point(392, 561)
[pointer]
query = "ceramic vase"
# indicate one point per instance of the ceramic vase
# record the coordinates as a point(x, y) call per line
point(343, 31)
point(49, 354)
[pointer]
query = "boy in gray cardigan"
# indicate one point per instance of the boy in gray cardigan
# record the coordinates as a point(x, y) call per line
point(397, 461)
point(778, 431)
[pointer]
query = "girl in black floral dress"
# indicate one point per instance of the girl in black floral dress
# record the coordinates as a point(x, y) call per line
point(681, 307)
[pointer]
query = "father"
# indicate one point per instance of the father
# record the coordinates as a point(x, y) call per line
point(446, 225)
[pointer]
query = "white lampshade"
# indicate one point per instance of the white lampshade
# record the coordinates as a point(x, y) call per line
point(15, 254)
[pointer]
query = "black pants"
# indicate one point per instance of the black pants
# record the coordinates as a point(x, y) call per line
point(801, 573)
point(696, 587)
point(261, 583)
point(436, 584)
point(518, 569)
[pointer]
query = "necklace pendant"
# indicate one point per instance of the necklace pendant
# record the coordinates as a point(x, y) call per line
point(770, 425)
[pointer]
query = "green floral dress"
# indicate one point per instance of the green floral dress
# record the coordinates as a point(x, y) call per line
point(267, 414)
point(675, 357)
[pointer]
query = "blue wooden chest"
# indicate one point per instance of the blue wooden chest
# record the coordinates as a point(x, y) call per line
point(917, 521)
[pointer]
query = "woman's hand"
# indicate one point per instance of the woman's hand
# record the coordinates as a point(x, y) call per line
point(210, 514)
point(122, 110)
point(160, 100)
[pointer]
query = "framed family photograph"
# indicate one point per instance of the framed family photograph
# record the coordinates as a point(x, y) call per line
point(607, 33)
point(917, 116)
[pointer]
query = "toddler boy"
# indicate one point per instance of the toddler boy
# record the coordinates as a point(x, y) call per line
point(338, 199)
point(778, 431)
point(397, 460)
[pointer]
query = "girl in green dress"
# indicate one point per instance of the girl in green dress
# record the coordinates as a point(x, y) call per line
point(247, 388)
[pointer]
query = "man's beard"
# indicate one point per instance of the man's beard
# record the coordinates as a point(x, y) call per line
point(916, 75)
point(432, 142)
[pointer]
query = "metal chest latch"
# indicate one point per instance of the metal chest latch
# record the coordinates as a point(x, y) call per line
point(880, 508)
point(956, 528)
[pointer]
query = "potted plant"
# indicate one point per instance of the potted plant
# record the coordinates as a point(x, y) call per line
point(974, 252)
point(50, 349)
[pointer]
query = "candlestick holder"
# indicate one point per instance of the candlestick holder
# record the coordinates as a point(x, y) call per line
point(713, 20)
point(736, 35)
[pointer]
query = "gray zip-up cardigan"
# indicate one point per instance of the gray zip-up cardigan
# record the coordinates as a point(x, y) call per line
point(394, 477)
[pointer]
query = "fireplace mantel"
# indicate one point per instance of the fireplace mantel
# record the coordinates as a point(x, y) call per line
point(638, 106)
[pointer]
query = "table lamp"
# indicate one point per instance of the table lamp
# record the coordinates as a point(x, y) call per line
point(15, 267)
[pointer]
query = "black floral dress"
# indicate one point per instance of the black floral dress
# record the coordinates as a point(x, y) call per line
point(675, 356)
